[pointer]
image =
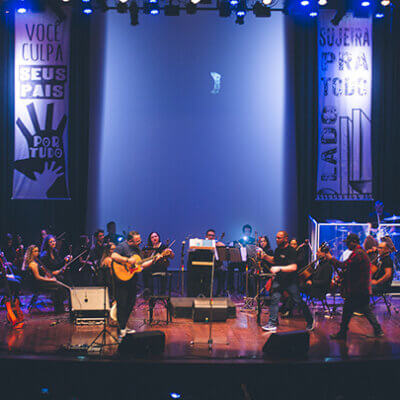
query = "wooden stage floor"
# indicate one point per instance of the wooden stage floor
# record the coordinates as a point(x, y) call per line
point(237, 340)
point(34, 362)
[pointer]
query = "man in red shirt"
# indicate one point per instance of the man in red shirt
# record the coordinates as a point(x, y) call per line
point(356, 274)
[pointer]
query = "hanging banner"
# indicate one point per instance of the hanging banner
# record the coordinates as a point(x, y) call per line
point(42, 47)
point(344, 113)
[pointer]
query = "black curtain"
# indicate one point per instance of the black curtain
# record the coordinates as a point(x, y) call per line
point(29, 216)
point(385, 124)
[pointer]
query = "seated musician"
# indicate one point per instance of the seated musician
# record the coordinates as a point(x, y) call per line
point(9, 249)
point(383, 276)
point(42, 279)
point(155, 246)
point(14, 281)
point(319, 283)
point(50, 258)
point(265, 246)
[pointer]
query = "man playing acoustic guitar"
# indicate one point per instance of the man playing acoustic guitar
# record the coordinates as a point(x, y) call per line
point(126, 255)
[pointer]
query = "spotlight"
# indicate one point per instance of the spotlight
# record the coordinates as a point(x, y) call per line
point(241, 9)
point(195, 1)
point(313, 14)
point(379, 15)
point(122, 6)
point(171, 10)
point(261, 11)
point(87, 10)
point(85, 1)
point(322, 2)
point(224, 9)
point(267, 2)
point(234, 2)
point(191, 8)
point(385, 3)
point(66, 1)
point(151, 7)
point(304, 3)
point(134, 13)
point(21, 7)
point(174, 395)
point(365, 3)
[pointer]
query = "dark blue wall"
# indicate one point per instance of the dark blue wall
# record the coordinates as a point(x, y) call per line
point(167, 154)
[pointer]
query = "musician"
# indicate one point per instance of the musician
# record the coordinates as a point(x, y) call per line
point(96, 251)
point(43, 234)
point(50, 257)
point(83, 269)
point(125, 291)
point(247, 238)
point(370, 245)
point(376, 217)
point(44, 280)
point(106, 268)
point(14, 281)
point(9, 249)
point(155, 246)
point(356, 281)
point(265, 246)
point(284, 267)
point(382, 279)
point(219, 271)
point(112, 235)
point(319, 283)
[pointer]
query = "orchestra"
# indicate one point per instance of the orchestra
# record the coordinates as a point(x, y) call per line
point(118, 265)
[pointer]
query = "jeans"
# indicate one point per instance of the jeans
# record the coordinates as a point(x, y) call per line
point(359, 303)
point(292, 288)
point(125, 294)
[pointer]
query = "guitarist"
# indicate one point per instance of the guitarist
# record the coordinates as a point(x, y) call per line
point(125, 291)
point(356, 274)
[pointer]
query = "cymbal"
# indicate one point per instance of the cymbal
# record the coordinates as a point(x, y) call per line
point(393, 218)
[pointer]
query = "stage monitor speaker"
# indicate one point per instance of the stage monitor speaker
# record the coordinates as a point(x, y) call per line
point(295, 343)
point(142, 343)
point(88, 302)
point(202, 309)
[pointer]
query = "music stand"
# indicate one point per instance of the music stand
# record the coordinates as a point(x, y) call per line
point(199, 244)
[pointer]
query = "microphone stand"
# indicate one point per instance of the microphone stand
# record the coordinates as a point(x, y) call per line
point(182, 272)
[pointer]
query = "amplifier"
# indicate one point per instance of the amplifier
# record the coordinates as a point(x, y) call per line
point(201, 309)
point(87, 303)
point(142, 343)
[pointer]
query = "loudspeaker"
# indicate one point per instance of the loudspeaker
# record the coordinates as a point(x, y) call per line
point(287, 343)
point(88, 302)
point(201, 309)
point(143, 343)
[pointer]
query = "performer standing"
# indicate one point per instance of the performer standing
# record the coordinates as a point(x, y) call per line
point(285, 267)
point(125, 291)
point(383, 277)
point(356, 274)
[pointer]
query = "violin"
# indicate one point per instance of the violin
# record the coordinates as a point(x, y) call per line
point(307, 272)
point(14, 314)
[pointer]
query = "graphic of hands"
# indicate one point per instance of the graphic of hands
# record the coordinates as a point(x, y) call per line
point(45, 180)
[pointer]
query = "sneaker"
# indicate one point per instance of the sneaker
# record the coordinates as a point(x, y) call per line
point(379, 333)
point(269, 327)
point(358, 314)
point(122, 333)
point(128, 331)
point(310, 326)
point(338, 336)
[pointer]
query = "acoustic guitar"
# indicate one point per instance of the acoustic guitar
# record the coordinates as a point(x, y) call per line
point(125, 272)
point(14, 314)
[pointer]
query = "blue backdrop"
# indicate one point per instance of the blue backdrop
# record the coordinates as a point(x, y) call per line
point(167, 154)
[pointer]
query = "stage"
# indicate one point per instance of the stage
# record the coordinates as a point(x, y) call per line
point(48, 347)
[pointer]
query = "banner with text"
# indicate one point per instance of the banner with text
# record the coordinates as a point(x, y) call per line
point(344, 113)
point(42, 52)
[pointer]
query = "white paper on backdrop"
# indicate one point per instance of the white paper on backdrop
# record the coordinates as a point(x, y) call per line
point(42, 52)
point(344, 108)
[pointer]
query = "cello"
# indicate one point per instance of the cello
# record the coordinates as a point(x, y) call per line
point(14, 314)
